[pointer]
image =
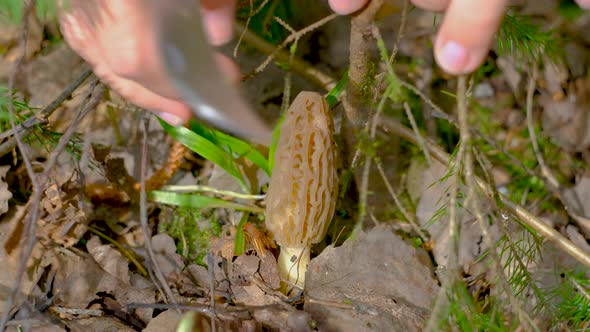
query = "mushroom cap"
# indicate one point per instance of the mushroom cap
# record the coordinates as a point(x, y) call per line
point(303, 189)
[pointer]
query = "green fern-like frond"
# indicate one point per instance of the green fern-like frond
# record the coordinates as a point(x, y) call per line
point(521, 37)
point(11, 11)
point(574, 294)
point(518, 252)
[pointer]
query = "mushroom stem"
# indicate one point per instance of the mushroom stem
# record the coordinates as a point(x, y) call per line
point(292, 264)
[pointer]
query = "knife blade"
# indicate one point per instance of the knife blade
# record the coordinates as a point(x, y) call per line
point(189, 61)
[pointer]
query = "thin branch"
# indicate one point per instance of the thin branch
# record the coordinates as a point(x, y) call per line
point(361, 43)
point(421, 142)
point(168, 296)
point(299, 66)
point(251, 14)
point(291, 38)
point(547, 173)
point(423, 236)
point(22, 266)
point(400, 31)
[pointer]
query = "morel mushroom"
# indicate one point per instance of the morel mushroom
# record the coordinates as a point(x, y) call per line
point(304, 186)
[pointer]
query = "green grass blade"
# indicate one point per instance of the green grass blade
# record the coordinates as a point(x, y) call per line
point(232, 145)
point(240, 241)
point(334, 94)
point(276, 134)
point(207, 149)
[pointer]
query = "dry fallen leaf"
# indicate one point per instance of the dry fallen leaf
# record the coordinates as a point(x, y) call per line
point(433, 196)
point(577, 197)
point(566, 122)
point(108, 323)
point(166, 321)
point(166, 257)
point(375, 279)
point(109, 259)
point(5, 194)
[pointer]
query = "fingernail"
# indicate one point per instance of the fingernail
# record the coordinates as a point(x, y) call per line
point(219, 25)
point(170, 118)
point(453, 57)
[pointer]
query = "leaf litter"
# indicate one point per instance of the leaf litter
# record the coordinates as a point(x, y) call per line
point(85, 269)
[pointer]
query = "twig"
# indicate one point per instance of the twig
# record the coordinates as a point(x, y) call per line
point(456, 167)
point(400, 31)
point(397, 201)
point(28, 165)
point(364, 183)
point(580, 289)
point(77, 311)
point(361, 25)
point(292, 37)
point(251, 14)
point(237, 312)
point(299, 66)
point(547, 173)
point(168, 296)
point(421, 143)
point(211, 271)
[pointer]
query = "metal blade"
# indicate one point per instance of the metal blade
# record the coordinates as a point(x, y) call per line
point(189, 60)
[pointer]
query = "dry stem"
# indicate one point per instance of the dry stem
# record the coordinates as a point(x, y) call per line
point(360, 46)
point(168, 296)
point(291, 38)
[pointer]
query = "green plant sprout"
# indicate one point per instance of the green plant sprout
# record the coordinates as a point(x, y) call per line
point(22, 111)
point(11, 11)
point(41, 134)
point(521, 37)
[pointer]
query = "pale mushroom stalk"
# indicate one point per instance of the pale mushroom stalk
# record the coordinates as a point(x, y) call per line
point(303, 189)
point(292, 264)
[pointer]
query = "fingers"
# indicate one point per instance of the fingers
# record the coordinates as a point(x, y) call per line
point(345, 7)
point(467, 31)
point(218, 17)
point(229, 68)
point(170, 110)
point(432, 5)
point(584, 3)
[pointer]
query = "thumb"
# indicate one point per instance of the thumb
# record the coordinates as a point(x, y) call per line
point(466, 34)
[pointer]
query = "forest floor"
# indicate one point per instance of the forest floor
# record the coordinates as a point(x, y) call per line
point(428, 234)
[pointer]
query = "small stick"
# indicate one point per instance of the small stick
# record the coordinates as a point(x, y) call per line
point(168, 296)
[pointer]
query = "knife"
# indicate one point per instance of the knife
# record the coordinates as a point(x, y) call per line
point(189, 61)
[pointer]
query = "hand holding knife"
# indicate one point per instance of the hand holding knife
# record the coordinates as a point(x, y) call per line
point(189, 61)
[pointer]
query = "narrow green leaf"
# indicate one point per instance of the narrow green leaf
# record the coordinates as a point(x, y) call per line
point(334, 94)
point(240, 241)
point(207, 150)
point(231, 144)
point(276, 134)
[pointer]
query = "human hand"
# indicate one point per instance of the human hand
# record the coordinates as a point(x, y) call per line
point(117, 38)
point(466, 33)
